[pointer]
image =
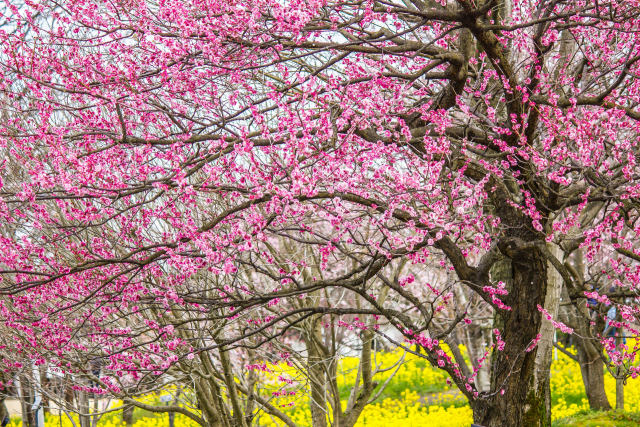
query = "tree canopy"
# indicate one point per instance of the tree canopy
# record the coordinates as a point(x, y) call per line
point(191, 187)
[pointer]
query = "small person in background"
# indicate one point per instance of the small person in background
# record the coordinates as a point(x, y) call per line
point(592, 303)
point(610, 330)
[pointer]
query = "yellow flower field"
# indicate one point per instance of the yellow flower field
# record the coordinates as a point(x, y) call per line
point(404, 403)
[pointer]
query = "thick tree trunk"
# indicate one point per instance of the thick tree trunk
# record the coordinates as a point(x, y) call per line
point(46, 385)
point(515, 401)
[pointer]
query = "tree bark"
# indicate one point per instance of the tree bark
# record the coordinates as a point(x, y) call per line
point(619, 394)
point(317, 379)
point(83, 407)
point(619, 380)
point(514, 401)
point(232, 392)
point(26, 398)
point(351, 415)
point(592, 370)
point(127, 415)
point(208, 402)
point(541, 380)
point(589, 349)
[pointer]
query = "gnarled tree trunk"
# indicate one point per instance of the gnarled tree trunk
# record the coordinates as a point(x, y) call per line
point(515, 401)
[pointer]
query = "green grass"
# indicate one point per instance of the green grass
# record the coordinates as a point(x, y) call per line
point(600, 419)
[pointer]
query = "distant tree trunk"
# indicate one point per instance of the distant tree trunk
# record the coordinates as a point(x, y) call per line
point(95, 418)
point(317, 379)
point(542, 385)
point(83, 407)
point(592, 370)
point(25, 394)
point(209, 395)
point(252, 380)
point(589, 349)
point(357, 405)
point(484, 372)
point(476, 339)
point(46, 384)
point(68, 392)
point(619, 381)
point(238, 417)
point(127, 415)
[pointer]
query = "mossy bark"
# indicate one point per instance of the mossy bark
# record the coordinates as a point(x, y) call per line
point(516, 398)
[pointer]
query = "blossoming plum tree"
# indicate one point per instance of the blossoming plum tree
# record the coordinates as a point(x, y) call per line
point(161, 139)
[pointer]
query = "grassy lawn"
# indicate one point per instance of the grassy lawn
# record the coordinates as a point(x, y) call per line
point(600, 419)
